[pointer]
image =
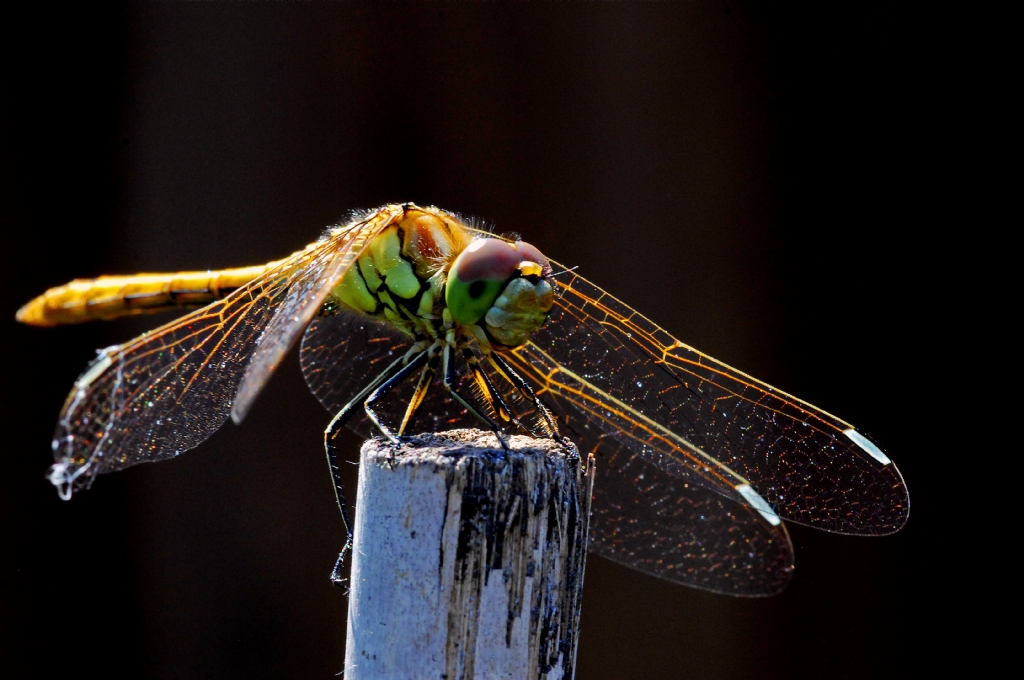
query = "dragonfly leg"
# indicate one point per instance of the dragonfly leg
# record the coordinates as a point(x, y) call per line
point(490, 393)
point(486, 387)
point(346, 413)
point(449, 384)
point(332, 461)
point(525, 388)
point(421, 391)
point(337, 423)
point(382, 391)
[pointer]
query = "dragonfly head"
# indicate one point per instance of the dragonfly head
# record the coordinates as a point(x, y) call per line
point(503, 287)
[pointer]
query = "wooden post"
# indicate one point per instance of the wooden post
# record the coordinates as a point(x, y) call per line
point(468, 559)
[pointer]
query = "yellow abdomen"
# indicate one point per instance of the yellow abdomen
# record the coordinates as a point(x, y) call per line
point(109, 297)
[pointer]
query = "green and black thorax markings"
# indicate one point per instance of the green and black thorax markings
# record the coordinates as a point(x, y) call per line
point(392, 282)
point(428, 276)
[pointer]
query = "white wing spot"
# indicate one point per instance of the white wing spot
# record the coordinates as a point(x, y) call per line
point(863, 442)
point(58, 476)
point(760, 504)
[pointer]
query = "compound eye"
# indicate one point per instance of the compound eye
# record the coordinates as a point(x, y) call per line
point(477, 277)
point(531, 254)
point(489, 259)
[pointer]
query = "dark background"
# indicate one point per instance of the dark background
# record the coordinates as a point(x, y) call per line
point(754, 179)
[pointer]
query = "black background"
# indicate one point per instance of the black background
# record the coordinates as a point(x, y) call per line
point(754, 179)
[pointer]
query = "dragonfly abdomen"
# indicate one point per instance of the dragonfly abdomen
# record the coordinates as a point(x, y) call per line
point(109, 297)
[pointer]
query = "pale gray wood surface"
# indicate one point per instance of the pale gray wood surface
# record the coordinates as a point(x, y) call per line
point(468, 560)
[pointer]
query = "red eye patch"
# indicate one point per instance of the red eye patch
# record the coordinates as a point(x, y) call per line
point(487, 259)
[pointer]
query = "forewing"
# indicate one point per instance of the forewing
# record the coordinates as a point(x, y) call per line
point(166, 391)
point(707, 423)
point(305, 297)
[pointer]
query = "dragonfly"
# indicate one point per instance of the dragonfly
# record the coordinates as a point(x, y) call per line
point(699, 464)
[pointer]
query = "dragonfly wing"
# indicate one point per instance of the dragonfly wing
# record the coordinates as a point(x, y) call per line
point(166, 391)
point(344, 352)
point(701, 420)
point(682, 532)
point(642, 517)
point(305, 297)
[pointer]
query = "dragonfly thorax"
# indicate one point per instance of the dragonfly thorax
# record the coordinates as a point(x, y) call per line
point(427, 276)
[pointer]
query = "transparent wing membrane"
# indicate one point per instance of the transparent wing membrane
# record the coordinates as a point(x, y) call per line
point(643, 517)
point(683, 410)
point(682, 532)
point(342, 353)
point(306, 294)
point(168, 390)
